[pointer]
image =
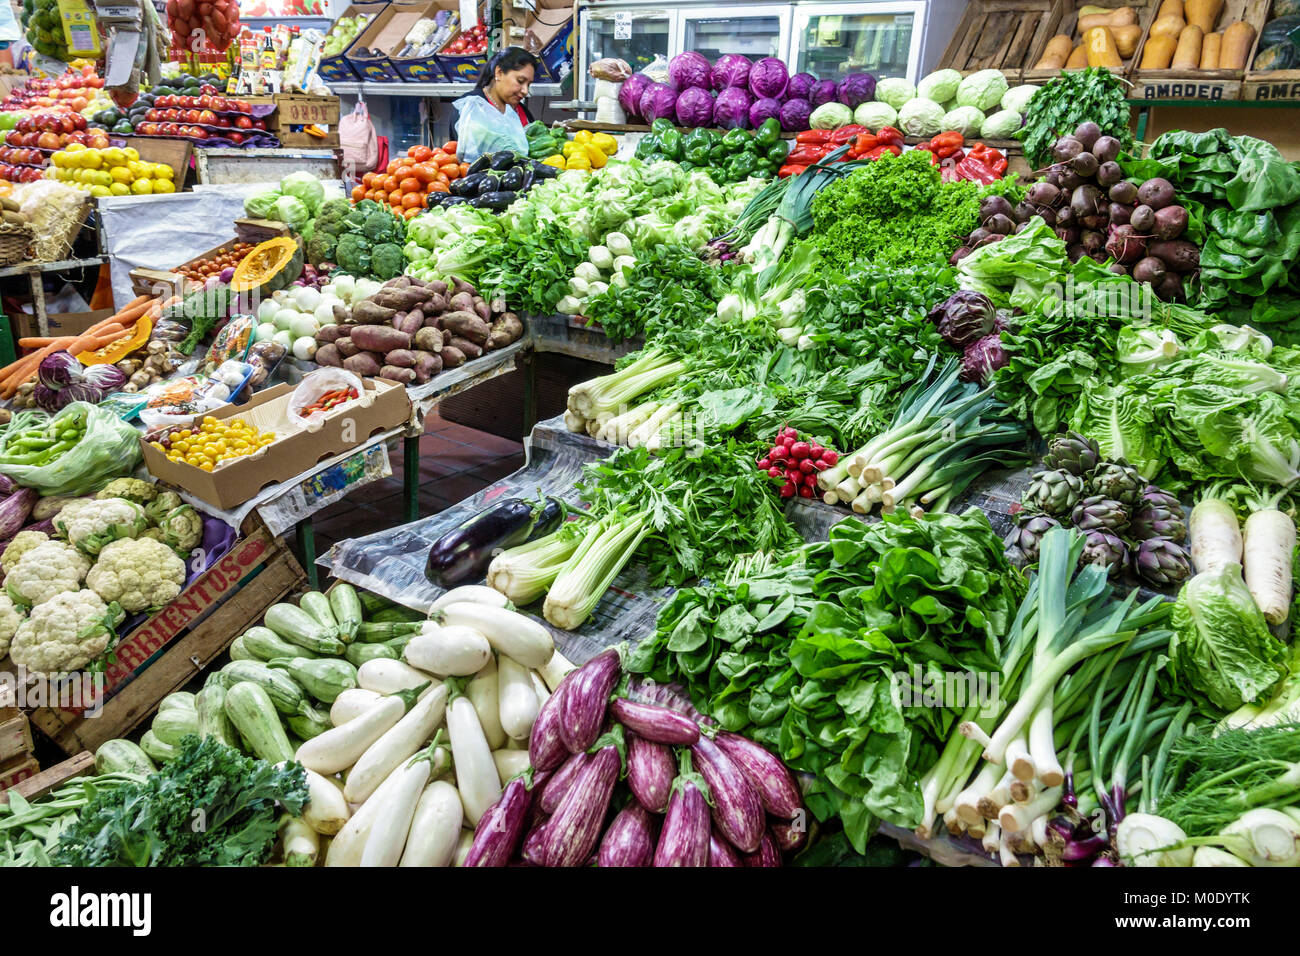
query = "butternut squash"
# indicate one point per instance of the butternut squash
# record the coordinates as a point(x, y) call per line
point(1126, 39)
point(1057, 52)
point(1171, 8)
point(1099, 44)
point(1188, 54)
point(1078, 58)
point(1158, 53)
point(1203, 13)
point(1168, 26)
point(1235, 50)
point(1210, 51)
point(1119, 17)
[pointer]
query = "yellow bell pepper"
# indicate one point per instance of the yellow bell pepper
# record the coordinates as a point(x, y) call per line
point(606, 143)
point(582, 137)
point(579, 160)
point(555, 160)
point(595, 156)
point(569, 148)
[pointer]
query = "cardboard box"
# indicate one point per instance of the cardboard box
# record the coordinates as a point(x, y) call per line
point(1065, 19)
point(1000, 35)
point(336, 69)
point(425, 69)
point(555, 34)
point(386, 35)
point(384, 407)
point(61, 323)
point(463, 69)
point(1199, 84)
point(168, 282)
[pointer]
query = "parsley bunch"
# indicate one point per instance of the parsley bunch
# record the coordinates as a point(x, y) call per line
point(1074, 97)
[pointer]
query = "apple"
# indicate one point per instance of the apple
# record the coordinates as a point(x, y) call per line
point(207, 118)
point(198, 132)
point(259, 124)
point(48, 140)
point(169, 129)
point(235, 137)
point(171, 115)
point(242, 106)
point(243, 122)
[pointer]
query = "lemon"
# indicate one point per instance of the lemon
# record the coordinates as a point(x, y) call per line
point(162, 171)
point(119, 189)
point(91, 159)
point(120, 174)
point(141, 187)
point(130, 153)
point(75, 147)
point(138, 169)
point(100, 191)
point(113, 156)
point(162, 186)
point(59, 159)
point(205, 466)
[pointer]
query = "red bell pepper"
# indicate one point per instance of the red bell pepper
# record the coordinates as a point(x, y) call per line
point(952, 138)
point(806, 155)
point(815, 137)
point(887, 134)
point(790, 169)
point(881, 150)
point(845, 133)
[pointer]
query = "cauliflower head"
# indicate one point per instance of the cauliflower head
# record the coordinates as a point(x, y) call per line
point(162, 506)
point(65, 633)
point(22, 542)
point(132, 489)
point(153, 534)
point(91, 525)
point(48, 569)
point(137, 573)
point(182, 529)
point(11, 616)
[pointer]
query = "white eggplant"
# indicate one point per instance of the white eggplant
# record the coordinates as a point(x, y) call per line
point(463, 846)
point(476, 774)
point(539, 685)
point(507, 631)
point(473, 593)
point(337, 749)
point(301, 843)
point(387, 837)
point(435, 828)
point(555, 670)
point(482, 692)
point(452, 651)
point(518, 700)
point(397, 745)
point(350, 842)
point(326, 811)
point(511, 763)
point(353, 702)
point(386, 676)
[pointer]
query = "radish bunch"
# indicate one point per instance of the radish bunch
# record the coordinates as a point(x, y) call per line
point(796, 462)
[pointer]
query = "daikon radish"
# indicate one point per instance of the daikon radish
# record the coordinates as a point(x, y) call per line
point(1215, 534)
point(1268, 550)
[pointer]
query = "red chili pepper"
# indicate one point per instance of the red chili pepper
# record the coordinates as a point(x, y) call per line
point(813, 136)
point(791, 169)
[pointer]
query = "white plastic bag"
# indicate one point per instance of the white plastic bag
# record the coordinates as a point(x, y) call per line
point(482, 129)
point(313, 386)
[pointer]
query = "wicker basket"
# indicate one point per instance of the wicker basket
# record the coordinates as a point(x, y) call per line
point(15, 241)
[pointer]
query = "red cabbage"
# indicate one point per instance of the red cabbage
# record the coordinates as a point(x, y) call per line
point(800, 86)
point(107, 378)
point(762, 109)
point(823, 91)
point(629, 94)
point(794, 115)
point(856, 88)
point(689, 69)
point(732, 69)
point(59, 369)
point(768, 77)
point(982, 358)
point(657, 102)
point(731, 109)
point(694, 107)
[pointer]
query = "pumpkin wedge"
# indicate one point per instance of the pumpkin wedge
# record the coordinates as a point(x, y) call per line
point(269, 267)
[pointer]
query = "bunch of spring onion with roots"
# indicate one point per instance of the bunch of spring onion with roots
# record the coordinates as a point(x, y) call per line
point(945, 434)
point(604, 407)
point(1000, 778)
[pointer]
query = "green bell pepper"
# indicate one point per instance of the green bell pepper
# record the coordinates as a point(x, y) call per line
point(696, 138)
point(698, 155)
point(670, 141)
point(648, 144)
point(735, 139)
point(718, 154)
point(740, 166)
point(656, 158)
point(662, 125)
point(777, 152)
point(768, 132)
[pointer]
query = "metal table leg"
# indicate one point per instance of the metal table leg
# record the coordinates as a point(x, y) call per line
point(306, 535)
point(411, 476)
point(530, 391)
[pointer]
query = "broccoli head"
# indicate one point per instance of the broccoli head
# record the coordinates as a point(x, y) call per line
point(333, 218)
point(321, 248)
point(335, 209)
point(387, 260)
point(381, 226)
point(353, 254)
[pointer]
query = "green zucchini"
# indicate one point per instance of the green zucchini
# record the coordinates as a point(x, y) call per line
point(157, 751)
point(309, 725)
point(213, 721)
point(239, 651)
point(318, 606)
point(298, 627)
point(266, 645)
point(182, 698)
point(174, 725)
point(374, 631)
point(347, 609)
point(358, 653)
point(323, 679)
point(286, 695)
point(372, 603)
point(122, 756)
point(396, 614)
point(250, 709)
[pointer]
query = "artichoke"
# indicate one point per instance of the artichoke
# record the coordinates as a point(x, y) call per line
point(1074, 453)
point(1099, 513)
point(1153, 495)
point(1118, 480)
point(1029, 534)
point(1102, 547)
point(1162, 562)
point(1157, 521)
point(1053, 492)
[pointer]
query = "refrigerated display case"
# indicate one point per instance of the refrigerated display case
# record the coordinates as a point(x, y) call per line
point(833, 40)
point(754, 31)
point(627, 32)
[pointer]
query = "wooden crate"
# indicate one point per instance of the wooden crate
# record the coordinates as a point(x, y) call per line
point(171, 152)
point(1199, 84)
point(165, 652)
point(16, 770)
point(15, 738)
point(40, 783)
point(1067, 23)
point(1000, 35)
point(1276, 86)
point(169, 282)
point(302, 111)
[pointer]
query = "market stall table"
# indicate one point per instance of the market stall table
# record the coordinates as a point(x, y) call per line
point(35, 273)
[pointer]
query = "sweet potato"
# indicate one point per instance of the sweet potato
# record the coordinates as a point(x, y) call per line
point(459, 285)
point(363, 363)
point(471, 349)
point(328, 333)
point(451, 357)
point(398, 282)
point(436, 304)
point(461, 302)
point(369, 312)
point(345, 328)
point(346, 346)
point(437, 287)
point(481, 308)
point(411, 322)
point(399, 300)
point(433, 321)
point(394, 374)
point(505, 330)
point(381, 338)
point(402, 358)
point(497, 305)
point(429, 340)
point(341, 314)
point(328, 354)
point(468, 325)
point(427, 365)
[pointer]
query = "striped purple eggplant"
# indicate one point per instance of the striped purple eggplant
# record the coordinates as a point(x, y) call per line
point(684, 839)
point(672, 696)
point(560, 782)
point(546, 749)
point(790, 835)
point(767, 855)
point(650, 772)
point(721, 853)
point(586, 698)
point(497, 835)
point(630, 838)
point(572, 833)
point(658, 724)
point(737, 811)
point(765, 772)
point(534, 848)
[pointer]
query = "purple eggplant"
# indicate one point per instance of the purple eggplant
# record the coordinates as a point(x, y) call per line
point(766, 773)
point(658, 724)
point(630, 839)
point(767, 854)
point(790, 835)
point(497, 836)
point(737, 811)
point(721, 853)
point(546, 748)
point(672, 696)
point(586, 698)
point(560, 782)
point(534, 848)
point(684, 839)
point(572, 833)
point(650, 772)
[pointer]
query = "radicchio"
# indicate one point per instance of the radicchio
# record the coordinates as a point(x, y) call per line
point(982, 358)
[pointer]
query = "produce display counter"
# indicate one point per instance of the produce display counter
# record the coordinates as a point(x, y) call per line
point(434, 90)
point(217, 167)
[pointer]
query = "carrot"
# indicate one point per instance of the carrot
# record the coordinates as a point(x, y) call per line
point(36, 342)
point(129, 314)
point(88, 344)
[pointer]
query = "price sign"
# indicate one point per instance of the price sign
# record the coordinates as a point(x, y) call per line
point(623, 25)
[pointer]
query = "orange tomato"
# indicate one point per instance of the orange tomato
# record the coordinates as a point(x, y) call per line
point(438, 188)
point(450, 170)
point(450, 147)
point(391, 167)
point(410, 184)
point(388, 184)
point(464, 169)
point(358, 193)
point(443, 178)
point(425, 173)
point(369, 179)
point(412, 200)
point(419, 153)
point(380, 196)
point(438, 157)
point(370, 194)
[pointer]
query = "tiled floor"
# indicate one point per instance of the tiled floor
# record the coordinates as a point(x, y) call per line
point(455, 462)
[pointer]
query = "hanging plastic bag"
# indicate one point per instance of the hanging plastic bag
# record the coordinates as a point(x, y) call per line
point(482, 129)
point(338, 386)
point(102, 446)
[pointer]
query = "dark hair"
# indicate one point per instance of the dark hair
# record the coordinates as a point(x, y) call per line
point(507, 61)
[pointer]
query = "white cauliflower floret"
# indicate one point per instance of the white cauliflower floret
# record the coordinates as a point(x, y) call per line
point(137, 573)
point(93, 524)
point(10, 617)
point(22, 542)
point(50, 568)
point(65, 633)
